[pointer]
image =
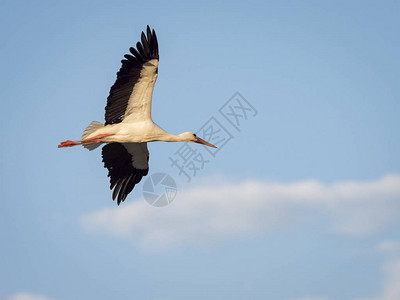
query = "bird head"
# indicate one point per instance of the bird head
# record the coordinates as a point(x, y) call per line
point(192, 137)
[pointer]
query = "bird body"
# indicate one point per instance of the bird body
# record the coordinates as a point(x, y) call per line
point(137, 132)
point(129, 125)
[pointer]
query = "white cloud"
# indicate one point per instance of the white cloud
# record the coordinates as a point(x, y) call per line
point(391, 271)
point(26, 296)
point(213, 213)
point(389, 247)
point(391, 285)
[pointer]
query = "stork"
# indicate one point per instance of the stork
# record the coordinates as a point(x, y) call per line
point(128, 124)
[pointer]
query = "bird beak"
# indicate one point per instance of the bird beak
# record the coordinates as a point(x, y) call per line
point(201, 141)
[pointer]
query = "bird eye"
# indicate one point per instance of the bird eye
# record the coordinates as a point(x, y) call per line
point(194, 135)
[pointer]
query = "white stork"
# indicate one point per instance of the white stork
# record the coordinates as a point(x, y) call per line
point(128, 125)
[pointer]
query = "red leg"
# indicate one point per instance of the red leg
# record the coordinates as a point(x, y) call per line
point(84, 141)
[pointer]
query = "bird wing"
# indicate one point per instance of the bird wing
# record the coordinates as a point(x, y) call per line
point(127, 163)
point(130, 96)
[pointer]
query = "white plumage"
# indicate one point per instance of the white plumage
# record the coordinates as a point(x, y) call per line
point(129, 125)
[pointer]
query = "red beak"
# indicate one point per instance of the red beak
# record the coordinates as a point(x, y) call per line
point(201, 141)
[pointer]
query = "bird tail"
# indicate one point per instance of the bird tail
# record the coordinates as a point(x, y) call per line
point(88, 131)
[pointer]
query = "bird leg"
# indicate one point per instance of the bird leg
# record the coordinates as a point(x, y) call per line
point(91, 140)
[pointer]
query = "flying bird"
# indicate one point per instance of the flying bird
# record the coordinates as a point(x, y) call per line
point(128, 124)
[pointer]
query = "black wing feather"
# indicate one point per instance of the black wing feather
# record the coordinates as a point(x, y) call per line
point(145, 43)
point(129, 75)
point(140, 48)
point(123, 175)
point(149, 33)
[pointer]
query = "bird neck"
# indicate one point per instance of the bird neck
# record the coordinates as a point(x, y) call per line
point(171, 138)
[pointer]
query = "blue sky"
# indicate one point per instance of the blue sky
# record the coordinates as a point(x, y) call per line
point(302, 204)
